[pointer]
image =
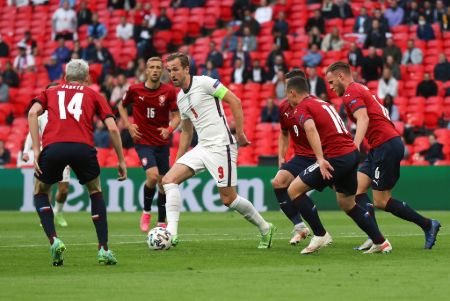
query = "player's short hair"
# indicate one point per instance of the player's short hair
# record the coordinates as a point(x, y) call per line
point(339, 66)
point(52, 84)
point(77, 70)
point(295, 72)
point(184, 60)
point(155, 59)
point(298, 84)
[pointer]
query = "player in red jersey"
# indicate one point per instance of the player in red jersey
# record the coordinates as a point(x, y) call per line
point(337, 162)
point(381, 169)
point(68, 140)
point(155, 115)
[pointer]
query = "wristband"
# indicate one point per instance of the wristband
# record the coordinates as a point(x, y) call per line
point(170, 129)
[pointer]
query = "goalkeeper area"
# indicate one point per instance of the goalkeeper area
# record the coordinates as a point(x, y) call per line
point(217, 259)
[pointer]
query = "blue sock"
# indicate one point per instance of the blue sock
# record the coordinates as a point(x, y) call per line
point(363, 200)
point(287, 206)
point(161, 208)
point(403, 211)
point(149, 193)
point(366, 223)
point(308, 210)
point(99, 217)
point(45, 212)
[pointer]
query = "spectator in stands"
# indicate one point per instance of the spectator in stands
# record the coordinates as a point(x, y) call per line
point(144, 42)
point(279, 80)
point(129, 71)
point(280, 24)
point(412, 14)
point(116, 4)
point(264, 12)
point(315, 37)
point(427, 11)
point(384, 25)
point(215, 56)
point(97, 30)
point(424, 31)
point(71, 3)
point(137, 14)
point(328, 10)
point(4, 91)
point(439, 11)
point(239, 75)
point(140, 70)
point(412, 55)
point(433, 153)
point(371, 66)
point(280, 39)
point(30, 42)
point(249, 42)
point(445, 23)
point(394, 114)
point(150, 15)
point(393, 66)
point(239, 7)
point(392, 50)
point(104, 57)
point(64, 23)
point(62, 54)
point(270, 113)
point(316, 21)
point(101, 136)
point(317, 85)
point(210, 70)
point(442, 69)
point(119, 90)
point(188, 3)
point(427, 87)
point(84, 15)
point(107, 86)
point(249, 21)
point(192, 64)
point(387, 84)
point(5, 155)
point(77, 49)
point(243, 55)
point(257, 73)
point(4, 48)
point(124, 30)
point(163, 22)
point(230, 41)
point(89, 53)
point(24, 62)
point(10, 76)
point(355, 55)
point(278, 65)
point(313, 57)
point(332, 41)
point(394, 14)
point(342, 10)
point(376, 37)
point(54, 68)
point(270, 61)
point(363, 22)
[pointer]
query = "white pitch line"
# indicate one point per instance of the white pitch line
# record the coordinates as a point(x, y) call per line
point(214, 239)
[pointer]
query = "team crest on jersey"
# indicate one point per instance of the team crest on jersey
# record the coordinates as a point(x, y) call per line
point(162, 100)
point(144, 161)
point(352, 102)
point(216, 84)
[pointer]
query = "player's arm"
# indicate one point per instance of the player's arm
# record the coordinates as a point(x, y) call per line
point(236, 109)
point(283, 144)
point(114, 133)
point(26, 148)
point(35, 110)
point(314, 141)
point(132, 128)
point(175, 120)
point(362, 123)
point(187, 131)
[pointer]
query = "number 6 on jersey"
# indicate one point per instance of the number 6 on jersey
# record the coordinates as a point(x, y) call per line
point(74, 106)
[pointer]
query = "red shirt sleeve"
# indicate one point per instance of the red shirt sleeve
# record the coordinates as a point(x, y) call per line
point(103, 108)
point(173, 100)
point(303, 114)
point(128, 97)
point(354, 102)
point(42, 99)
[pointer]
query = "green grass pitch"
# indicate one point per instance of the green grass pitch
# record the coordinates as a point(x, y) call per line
point(217, 259)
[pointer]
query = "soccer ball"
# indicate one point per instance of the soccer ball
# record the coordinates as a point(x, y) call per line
point(159, 238)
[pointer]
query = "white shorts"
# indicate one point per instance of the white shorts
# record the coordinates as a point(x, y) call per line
point(66, 175)
point(220, 161)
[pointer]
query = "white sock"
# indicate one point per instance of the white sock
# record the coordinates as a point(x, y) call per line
point(245, 208)
point(173, 205)
point(58, 207)
point(146, 212)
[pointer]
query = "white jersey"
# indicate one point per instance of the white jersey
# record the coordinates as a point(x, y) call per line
point(202, 104)
point(42, 123)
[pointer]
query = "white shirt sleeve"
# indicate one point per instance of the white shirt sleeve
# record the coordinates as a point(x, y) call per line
point(213, 87)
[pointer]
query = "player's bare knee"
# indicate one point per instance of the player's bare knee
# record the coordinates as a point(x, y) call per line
point(279, 183)
point(63, 188)
point(40, 187)
point(94, 186)
point(227, 195)
point(380, 203)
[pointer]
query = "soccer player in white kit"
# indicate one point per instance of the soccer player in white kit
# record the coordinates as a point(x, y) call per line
point(63, 185)
point(200, 104)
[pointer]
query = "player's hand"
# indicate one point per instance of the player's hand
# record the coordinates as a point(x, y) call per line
point(164, 132)
point(358, 145)
point(37, 168)
point(134, 131)
point(122, 169)
point(281, 161)
point(325, 169)
point(25, 157)
point(242, 139)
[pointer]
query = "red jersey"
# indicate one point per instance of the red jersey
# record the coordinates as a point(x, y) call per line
point(289, 123)
point(151, 110)
point(334, 137)
point(71, 109)
point(380, 128)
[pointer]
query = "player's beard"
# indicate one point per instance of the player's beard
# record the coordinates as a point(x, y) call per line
point(340, 89)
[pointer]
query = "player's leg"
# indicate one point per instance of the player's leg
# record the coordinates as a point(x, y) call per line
point(161, 201)
point(280, 184)
point(162, 160)
point(61, 197)
point(387, 173)
point(363, 200)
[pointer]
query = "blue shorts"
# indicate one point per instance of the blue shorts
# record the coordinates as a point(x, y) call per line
point(382, 164)
point(152, 156)
point(344, 178)
point(297, 164)
point(82, 158)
